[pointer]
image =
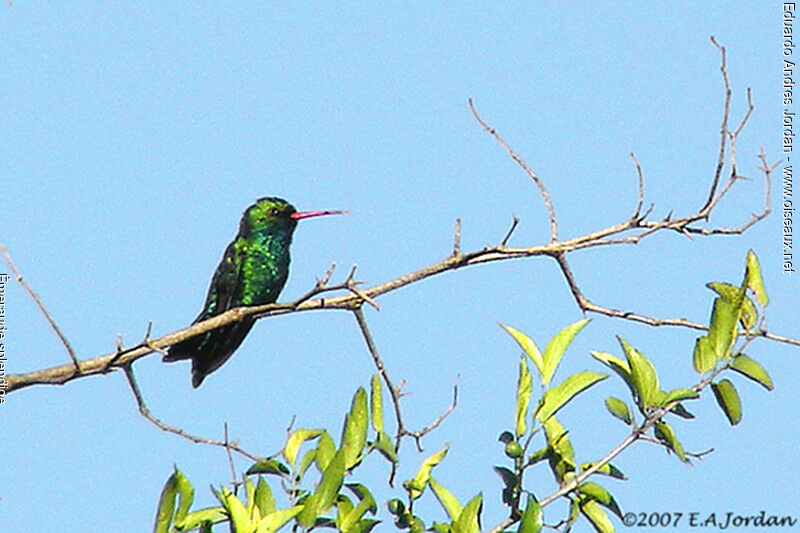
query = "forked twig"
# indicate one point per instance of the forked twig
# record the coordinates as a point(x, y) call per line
point(42, 308)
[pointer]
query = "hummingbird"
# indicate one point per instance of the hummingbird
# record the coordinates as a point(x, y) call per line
point(253, 271)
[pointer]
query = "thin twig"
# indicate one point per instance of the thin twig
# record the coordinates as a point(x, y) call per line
point(640, 177)
point(230, 459)
point(548, 203)
point(457, 238)
point(723, 127)
point(514, 223)
point(145, 412)
point(42, 308)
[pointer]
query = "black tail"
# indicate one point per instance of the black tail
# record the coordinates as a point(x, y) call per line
point(209, 351)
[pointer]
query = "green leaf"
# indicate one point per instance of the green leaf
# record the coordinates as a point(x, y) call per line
point(681, 411)
point(355, 429)
point(601, 496)
point(185, 495)
point(366, 504)
point(555, 398)
point(469, 520)
point(607, 470)
point(722, 330)
point(264, 499)
point(250, 491)
point(754, 280)
point(240, 518)
point(527, 345)
point(561, 453)
point(272, 466)
point(416, 485)
point(679, 395)
point(596, 516)
point(728, 400)
point(532, 519)
point(306, 461)
point(326, 449)
point(509, 478)
point(616, 364)
point(166, 504)
point(449, 502)
point(277, 519)
point(735, 295)
point(325, 494)
point(376, 403)
point(750, 369)
point(296, 439)
point(524, 389)
point(619, 409)
point(196, 519)
point(704, 358)
point(665, 434)
point(555, 349)
point(643, 376)
point(383, 443)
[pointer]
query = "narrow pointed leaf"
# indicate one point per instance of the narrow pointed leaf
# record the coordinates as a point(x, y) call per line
point(728, 400)
point(607, 470)
point(749, 368)
point(196, 519)
point(532, 519)
point(561, 453)
point(325, 494)
point(527, 345)
point(264, 499)
point(376, 403)
point(599, 494)
point(306, 461)
point(448, 502)
point(416, 485)
point(596, 516)
point(240, 518)
point(735, 295)
point(272, 466)
point(524, 389)
point(722, 330)
point(326, 449)
point(185, 495)
point(555, 349)
point(296, 439)
point(665, 434)
point(704, 358)
point(643, 375)
point(277, 519)
point(355, 429)
point(385, 445)
point(619, 409)
point(364, 496)
point(754, 280)
point(469, 521)
point(680, 395)
point(681, 411)
point(509, 478)
point(555, 398)
point(166, 504)
point(250, 492)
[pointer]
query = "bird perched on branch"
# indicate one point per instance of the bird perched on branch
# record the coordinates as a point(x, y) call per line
point(253, 271)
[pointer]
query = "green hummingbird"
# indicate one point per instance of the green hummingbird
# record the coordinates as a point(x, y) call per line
point(253, 271)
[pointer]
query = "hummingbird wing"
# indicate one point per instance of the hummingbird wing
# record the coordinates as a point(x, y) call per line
point(211, 349)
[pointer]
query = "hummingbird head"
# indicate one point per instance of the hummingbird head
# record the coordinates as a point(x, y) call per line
point(275, 215)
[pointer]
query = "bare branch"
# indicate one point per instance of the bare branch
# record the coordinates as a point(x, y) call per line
point(145, 412)
point(548, 203)
point(640, 177)
point(514, 223)
point(723, 127)
point(457, 238)
point(42, 308)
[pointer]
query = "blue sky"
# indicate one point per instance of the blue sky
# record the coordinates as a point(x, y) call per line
point(133, 136)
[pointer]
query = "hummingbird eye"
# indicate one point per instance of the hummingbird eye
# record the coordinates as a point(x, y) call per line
point(273, 212)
